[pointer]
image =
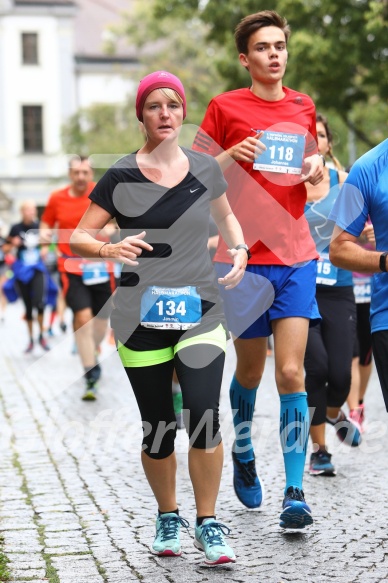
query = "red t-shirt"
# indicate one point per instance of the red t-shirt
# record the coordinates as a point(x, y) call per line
point(65, 212)
point(268, 205)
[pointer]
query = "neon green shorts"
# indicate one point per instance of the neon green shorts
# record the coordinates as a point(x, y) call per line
point(136, 358)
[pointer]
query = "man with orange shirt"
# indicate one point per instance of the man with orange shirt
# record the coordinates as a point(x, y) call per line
point(87, 286)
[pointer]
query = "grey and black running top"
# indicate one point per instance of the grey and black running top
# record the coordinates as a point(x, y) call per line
point(177, 224)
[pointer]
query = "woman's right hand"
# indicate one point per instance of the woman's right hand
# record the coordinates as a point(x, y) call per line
point(128, 250)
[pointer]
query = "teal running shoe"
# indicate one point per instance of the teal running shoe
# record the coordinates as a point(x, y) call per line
point(209, 538)
point(167, 540)
point(296, 514)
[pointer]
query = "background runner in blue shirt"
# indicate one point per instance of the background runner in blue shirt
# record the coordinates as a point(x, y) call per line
point(365, 193)
point(330, 343)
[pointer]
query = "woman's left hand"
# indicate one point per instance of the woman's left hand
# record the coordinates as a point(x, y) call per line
point(235, 275)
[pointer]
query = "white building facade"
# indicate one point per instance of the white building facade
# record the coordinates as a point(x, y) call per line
point(45, 77)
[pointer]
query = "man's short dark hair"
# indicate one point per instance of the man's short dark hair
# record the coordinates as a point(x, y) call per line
point(76, 159)
point(250, 24)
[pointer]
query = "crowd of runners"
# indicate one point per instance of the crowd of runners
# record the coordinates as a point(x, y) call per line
point(132, 250)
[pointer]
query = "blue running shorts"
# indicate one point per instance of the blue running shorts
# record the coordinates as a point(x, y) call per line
point(266, 293)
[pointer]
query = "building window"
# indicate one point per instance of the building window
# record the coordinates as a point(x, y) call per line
point(32, 128)
point(30, 48)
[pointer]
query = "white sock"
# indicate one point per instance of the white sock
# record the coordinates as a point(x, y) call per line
point(339, 416)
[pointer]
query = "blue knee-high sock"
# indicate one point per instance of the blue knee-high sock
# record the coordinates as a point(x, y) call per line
point(243, 401)
point(294, 431)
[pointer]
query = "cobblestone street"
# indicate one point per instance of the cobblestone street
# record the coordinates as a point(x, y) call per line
point(75, 506)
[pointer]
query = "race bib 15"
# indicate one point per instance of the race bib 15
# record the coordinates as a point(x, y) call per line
point(326, 272)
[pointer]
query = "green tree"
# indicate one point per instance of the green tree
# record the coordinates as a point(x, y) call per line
point(103, 131)
point(179, 45)
point(338, 53)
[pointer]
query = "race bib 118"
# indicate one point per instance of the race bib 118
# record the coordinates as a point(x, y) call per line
point(284, 153)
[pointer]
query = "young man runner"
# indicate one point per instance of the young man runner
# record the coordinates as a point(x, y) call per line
point(270, 131)
point(87, 298)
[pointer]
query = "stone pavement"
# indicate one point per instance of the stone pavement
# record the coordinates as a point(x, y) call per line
point(76, 508)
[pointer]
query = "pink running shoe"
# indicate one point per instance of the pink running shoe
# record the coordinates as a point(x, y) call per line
point(357, 415)
point(43, 343)
point(30, 347)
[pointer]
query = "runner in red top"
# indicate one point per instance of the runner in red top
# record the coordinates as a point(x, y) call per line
point(63, 210)
point(280, 196)
point(264, 138)
point(87, 286)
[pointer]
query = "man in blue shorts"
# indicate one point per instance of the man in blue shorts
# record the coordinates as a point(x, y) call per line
point(264, 137)
point(365, 194)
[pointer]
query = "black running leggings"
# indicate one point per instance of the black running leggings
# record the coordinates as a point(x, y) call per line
point(33, 294)
point(364, 335)
point(200, 391)
point(329, 351)
point(380, 353)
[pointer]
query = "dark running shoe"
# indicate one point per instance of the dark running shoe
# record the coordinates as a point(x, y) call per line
point(247, 484)
point(296, 514)
point(90, 393)
point(346, 430)
point(320, 464)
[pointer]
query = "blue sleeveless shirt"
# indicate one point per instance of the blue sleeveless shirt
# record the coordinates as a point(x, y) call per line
point(321, 227)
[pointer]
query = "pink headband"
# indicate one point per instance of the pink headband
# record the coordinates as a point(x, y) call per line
point(158, 80)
